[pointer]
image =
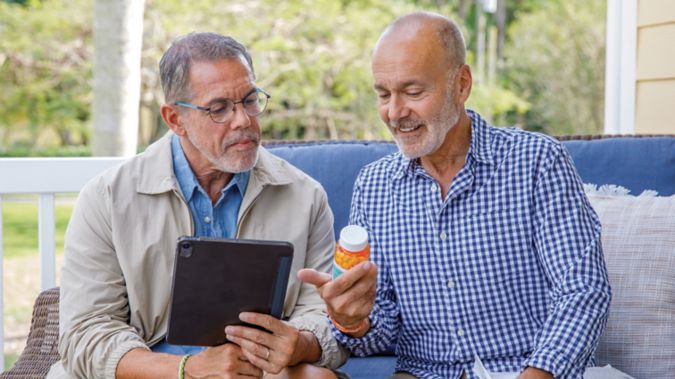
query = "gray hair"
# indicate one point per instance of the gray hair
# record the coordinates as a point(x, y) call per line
point(174, 67)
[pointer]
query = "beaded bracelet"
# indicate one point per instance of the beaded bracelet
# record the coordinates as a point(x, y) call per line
point(181, 366)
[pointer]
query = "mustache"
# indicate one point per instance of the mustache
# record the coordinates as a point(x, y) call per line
point(407, 123)
point(241, 136)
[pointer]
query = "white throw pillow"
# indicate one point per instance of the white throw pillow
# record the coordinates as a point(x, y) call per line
point(638, 237)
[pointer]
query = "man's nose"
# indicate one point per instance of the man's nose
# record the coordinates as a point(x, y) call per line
point(240, 118)
point(397, 108)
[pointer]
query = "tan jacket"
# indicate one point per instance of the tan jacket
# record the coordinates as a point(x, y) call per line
point(120, 246)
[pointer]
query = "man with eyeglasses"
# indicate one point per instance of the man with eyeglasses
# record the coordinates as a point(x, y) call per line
point(483, 243)
point(208, 177)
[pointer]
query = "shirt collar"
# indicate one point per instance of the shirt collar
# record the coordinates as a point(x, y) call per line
point(240, 180)
point(186, 178)
point(479, 148)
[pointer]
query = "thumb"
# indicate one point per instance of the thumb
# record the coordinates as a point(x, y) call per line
point(311, 276)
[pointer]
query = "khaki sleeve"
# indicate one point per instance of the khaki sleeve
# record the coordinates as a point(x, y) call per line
point(94, 311)
point(310, 310)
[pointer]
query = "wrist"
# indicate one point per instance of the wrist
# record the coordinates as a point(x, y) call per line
point(531, 372)
point(181, 366)
point(307, 348)
point(358, 330)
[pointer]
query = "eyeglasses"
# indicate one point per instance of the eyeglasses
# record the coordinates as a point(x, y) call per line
point(220, 111)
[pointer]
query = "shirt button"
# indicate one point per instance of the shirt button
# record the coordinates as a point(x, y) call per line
point(443, 236)
point(451, 284)
point(207, 219)
point(460, 332)
point(434, 188)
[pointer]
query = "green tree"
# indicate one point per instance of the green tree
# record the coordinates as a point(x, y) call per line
point(555, 59)
point(45, 68)
point(313, 56)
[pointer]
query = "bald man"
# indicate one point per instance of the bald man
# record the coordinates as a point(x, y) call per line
point(483, 242)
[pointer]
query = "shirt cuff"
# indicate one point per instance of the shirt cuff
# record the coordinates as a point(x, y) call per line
point(369, 344)
point(118, 353)
point(332, 354)
point(554, 362)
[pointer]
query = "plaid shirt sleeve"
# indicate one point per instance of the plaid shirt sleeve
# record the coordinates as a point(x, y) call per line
point(384, 318)
point(567, 241)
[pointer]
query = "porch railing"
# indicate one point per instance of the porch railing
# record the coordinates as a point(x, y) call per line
point(45, 177)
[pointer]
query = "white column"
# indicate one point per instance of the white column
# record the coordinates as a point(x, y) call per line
point(621, 59)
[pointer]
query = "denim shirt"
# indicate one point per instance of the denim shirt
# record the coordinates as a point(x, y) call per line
point(219, 220)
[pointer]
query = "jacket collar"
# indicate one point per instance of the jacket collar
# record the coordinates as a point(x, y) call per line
point(155, 169)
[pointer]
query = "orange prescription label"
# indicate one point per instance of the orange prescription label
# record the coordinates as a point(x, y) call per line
point(351, 249)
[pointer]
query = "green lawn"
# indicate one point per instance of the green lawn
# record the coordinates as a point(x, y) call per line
point(10, 358)
point(20, 226)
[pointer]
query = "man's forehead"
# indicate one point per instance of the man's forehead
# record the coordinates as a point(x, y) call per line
point(238, 62)
point(229, 69)
point(399, 74)
point(224, 78)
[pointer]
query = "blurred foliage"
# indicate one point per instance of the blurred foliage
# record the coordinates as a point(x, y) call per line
point(556, 62)
point(61, 151)
point(313, 56)
point(45, 70)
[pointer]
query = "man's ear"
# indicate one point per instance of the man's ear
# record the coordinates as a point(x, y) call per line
point(465, 80)
point(172, 118)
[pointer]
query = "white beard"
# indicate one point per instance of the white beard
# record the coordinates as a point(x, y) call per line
point(437, 128)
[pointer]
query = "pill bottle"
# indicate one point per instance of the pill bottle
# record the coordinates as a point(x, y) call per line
point(351, 249)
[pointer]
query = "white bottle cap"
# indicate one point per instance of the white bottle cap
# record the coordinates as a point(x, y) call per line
point(353, 238)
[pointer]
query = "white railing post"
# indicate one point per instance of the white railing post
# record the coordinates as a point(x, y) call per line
point(47, 227)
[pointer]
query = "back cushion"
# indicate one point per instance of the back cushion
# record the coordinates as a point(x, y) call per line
point(334, 164)
point(636, 163)
point(638, 236)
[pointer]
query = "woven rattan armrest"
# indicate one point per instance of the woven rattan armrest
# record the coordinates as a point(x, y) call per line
point(41, 348)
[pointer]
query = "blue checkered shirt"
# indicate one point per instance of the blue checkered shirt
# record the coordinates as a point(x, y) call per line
point(508, 267)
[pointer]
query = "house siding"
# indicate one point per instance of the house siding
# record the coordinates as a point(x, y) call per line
point(655, 67)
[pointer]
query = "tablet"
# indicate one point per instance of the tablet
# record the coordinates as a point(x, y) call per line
point(216, 279)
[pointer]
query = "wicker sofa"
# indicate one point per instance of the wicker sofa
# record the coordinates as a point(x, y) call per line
point(638, 236)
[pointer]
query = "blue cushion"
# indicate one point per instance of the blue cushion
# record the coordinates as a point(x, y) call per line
point(634, 163)
point(375, 367)
point(335, 165)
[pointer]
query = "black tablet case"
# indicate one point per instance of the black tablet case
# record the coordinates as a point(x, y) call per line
point(216, 279)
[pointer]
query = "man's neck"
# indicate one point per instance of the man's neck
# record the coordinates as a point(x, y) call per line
point(444, 163)
point(210, 178)
point(213, 181)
